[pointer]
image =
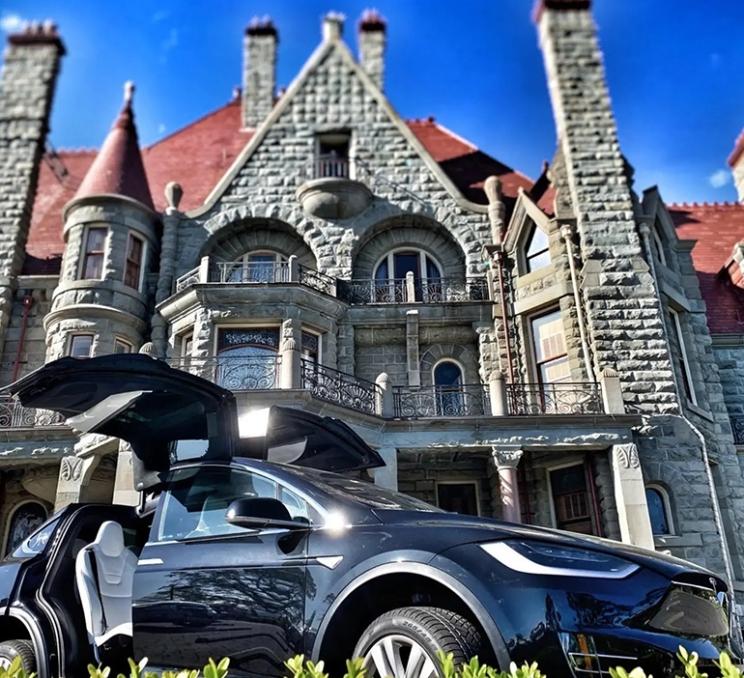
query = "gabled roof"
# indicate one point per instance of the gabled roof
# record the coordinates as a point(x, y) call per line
point(716, 227)
point(118, 167)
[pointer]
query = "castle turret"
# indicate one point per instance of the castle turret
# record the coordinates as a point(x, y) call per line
point(100, 305)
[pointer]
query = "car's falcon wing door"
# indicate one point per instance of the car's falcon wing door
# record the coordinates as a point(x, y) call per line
point(292, 436)
point(138, 399)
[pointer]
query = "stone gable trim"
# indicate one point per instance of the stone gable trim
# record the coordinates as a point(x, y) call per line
point(321, 52)
point(524, 207)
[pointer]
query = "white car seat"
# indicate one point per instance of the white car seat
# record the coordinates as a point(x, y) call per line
point(104, 571)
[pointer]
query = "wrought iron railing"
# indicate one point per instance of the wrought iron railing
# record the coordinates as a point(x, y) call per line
point(15, 415)
point(444, 290)
point(338, 387)
point(252, 272)
point(187, 279)
point(467, 400)
point(331, 166)
point(317, 281)
point(737, 428)
point(558, 398)
point(392, 291)
point(254, 373)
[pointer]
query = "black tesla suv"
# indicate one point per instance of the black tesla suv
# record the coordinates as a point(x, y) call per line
point(248, 544)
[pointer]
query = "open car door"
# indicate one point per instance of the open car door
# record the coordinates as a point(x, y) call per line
point(162, 411)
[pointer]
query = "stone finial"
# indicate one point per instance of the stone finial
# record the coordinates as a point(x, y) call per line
point(608, 372)
point(567, 231)
point(492, 189)
point(383, 380)
point(173, 194)
point(148, 348)
point(128, 92)
point(333, 26)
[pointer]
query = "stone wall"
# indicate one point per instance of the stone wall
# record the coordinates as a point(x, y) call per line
point(729, 356)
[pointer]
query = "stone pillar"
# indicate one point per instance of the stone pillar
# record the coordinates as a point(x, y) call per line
point(372, 29)
point(506, 461)
point(169, 242)
point(594, 188)
point(497, 392)
point(345, 347)
point(259, 71)
point(124, 492)
point(630, 497)
point(410, 289)
point(384, 403)
point(293, 267)
point(387, 476)
point(612, 394)
point(412, 348)
point(76, 470)
point(291, 366)
point(27, 83)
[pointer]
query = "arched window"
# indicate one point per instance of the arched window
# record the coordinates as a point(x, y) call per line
point(247, 358)
point(448, 382)
point(391, 270)
point(659, 510)
point(259, 266)
point(536, 251)
point(23, 521)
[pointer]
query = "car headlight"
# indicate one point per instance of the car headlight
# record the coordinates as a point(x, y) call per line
point(543, 558)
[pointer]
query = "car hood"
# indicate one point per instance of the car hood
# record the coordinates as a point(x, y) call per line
point(158, 409)
point(459, 529)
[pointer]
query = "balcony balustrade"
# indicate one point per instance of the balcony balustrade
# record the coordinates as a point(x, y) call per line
point(15, 415)
point(253, 272)
point(558, 398)
point(338, 387)
point(468, 400)
point(332, 166)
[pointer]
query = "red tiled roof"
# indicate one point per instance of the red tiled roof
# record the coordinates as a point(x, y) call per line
point(198, 155)
point(118, 166)
point(717, 227)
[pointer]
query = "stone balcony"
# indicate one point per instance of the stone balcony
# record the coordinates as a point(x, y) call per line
point(406, 290)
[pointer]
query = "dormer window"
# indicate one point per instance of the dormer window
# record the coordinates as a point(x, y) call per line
point(536, 253)
point(658, 244)
point(332, 159)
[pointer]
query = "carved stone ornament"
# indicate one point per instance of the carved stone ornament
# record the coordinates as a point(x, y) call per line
point(71, 469)
point(627, 455)
point(506, 458)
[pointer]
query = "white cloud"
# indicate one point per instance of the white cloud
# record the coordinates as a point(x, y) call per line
point(161, 128)
point(10, 22)
point(171, 41)
point(719, 178)
point(159, 16)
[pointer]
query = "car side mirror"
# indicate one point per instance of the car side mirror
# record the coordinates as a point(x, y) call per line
point(259, 512)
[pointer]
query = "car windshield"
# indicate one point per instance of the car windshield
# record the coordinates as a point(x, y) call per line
point(36, 542)
point(366, 493)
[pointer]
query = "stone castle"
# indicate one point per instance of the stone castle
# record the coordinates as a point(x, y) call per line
point(560, 351)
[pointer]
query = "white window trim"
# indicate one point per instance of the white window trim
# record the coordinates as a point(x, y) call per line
point(11, 515)
point(71, 337)
point(667, 508)
point(422, 254)
point(524, 263)
point(683, 351)
point(84, 251)
point(454, 481)
point(143, 259)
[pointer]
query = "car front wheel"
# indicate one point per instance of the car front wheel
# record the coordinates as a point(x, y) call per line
point(10, 649)
point(403, 643)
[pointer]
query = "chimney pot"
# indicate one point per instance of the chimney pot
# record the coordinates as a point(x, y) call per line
point(333, 26)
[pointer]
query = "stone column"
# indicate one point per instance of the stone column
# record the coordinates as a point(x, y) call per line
point(497, 393)
point(291, 367)
point(384, 404)
point(387, 476)
point(124, 492)
point(506, 462)
point(630, 496)
point(27, 84)
point(412, 348)
point(169, 242)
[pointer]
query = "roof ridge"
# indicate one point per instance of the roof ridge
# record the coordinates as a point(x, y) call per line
point(72, 151)
point(725, 203)
point(193, 123)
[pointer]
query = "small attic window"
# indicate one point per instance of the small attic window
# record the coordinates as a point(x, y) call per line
point(658, 244)
point(536, 252)
point(332, 157)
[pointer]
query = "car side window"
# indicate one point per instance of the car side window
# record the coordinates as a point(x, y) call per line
point(298, 508)
point(197, 499)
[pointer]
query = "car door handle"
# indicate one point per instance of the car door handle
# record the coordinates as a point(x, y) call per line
point(150, 561)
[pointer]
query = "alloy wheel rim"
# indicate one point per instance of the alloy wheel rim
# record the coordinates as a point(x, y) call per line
point(397, 656)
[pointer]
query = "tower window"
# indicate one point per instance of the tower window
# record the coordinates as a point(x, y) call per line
point(333, 155)
point(683, 363)
point(133, 268)
point(122, 346)
point(658, 510)
point(95, 251)
point(81, 345)
point(537, 253)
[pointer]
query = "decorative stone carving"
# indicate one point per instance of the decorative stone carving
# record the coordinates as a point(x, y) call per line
point(505, 458)
point(173, 194)
point(334, 198)
point(627, 455)
point(71, 469)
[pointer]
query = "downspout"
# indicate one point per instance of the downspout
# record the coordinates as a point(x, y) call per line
point(567, 235)
point(28, 302)
point(717, 516)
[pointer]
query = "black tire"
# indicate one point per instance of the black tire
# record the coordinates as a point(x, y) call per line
point(432, 628)
point(10, 649)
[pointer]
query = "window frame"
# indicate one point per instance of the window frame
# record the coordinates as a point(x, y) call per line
point(319, 136)
point(667, 506)
point(689, 391)
point(11, 516)
point(141, 264)
point(658, 245)
point(123, 342)
point(86, 253)
point(455, 481)
point(71, 339)
point(536, 363)
point(593, 518)
point(389, 257)
point(526, 257)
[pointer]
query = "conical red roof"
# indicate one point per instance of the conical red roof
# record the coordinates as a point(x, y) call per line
point(118, 167)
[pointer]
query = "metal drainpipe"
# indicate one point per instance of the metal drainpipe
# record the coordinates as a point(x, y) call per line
point(567, 235)
point(28, 302)
point(717, 517)
point(504, 314)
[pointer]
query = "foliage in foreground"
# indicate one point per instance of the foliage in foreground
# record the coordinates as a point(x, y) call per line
point(299, 667)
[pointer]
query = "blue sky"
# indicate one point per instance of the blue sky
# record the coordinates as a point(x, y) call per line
point(674, 68)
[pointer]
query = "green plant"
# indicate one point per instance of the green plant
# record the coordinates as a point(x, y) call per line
point(137, 670)
point(15, 670)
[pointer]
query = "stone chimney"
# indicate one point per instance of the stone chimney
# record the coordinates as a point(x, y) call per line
point(736, 163)
point(27, 84)
point(372, 30)
point(259, 70)
point(617, 287)
point(333, 26)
